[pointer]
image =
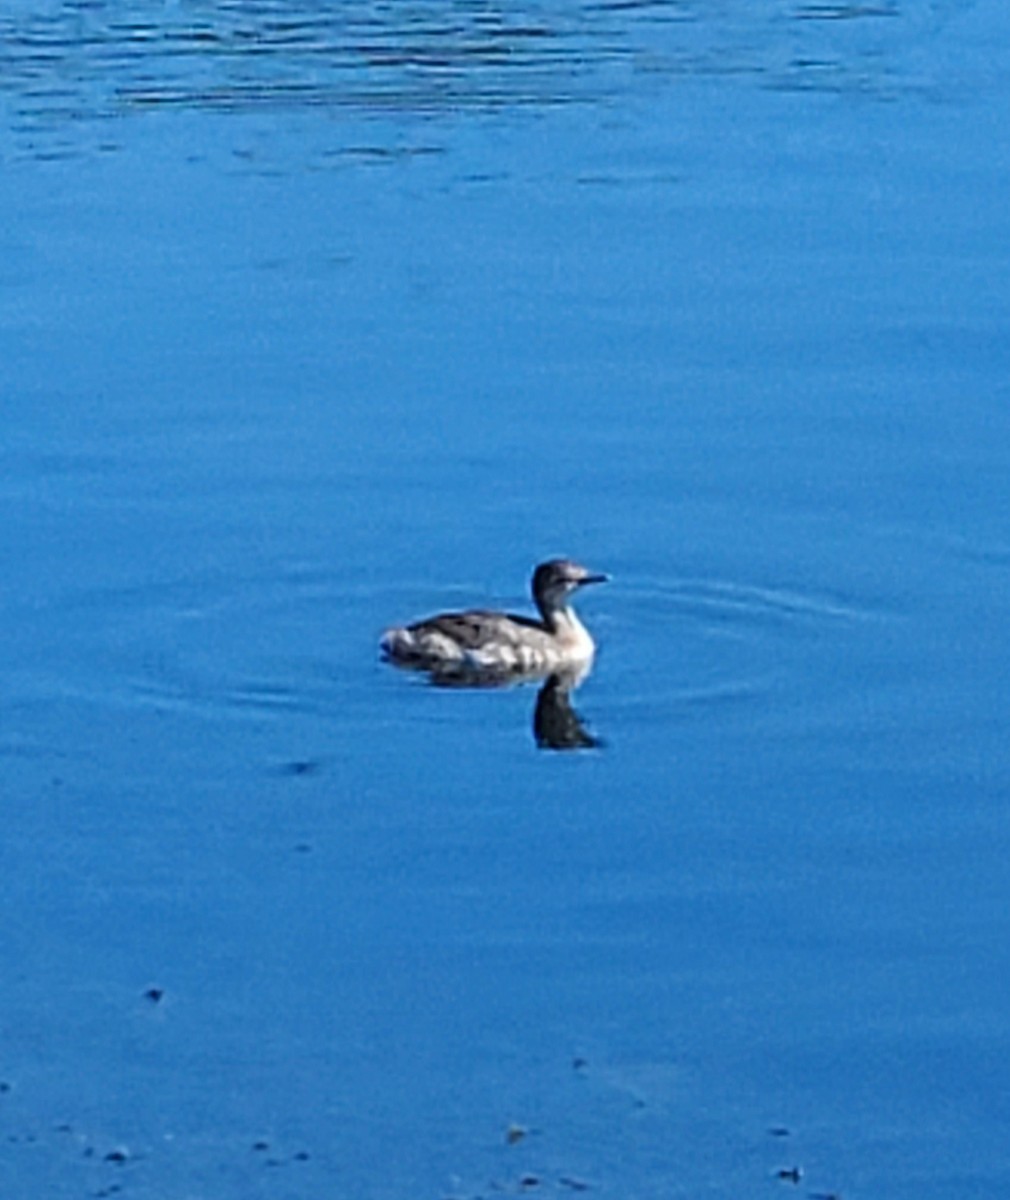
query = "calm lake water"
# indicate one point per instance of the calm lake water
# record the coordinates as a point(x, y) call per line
point(316, 317)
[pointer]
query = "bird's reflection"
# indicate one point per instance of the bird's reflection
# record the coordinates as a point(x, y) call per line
point(556, 724)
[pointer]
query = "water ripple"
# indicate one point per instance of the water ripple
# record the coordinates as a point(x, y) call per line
point(714, 597)
point(66, 65)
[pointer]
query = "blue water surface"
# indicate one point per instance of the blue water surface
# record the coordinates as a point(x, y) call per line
point(317, 317)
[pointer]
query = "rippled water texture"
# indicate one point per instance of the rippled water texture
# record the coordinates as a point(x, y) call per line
point(319, 318)
point(68, 66)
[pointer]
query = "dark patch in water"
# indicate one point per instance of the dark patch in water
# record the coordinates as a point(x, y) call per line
point(300, 767)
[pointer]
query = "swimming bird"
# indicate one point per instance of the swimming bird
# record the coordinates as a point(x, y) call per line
point(489, 644)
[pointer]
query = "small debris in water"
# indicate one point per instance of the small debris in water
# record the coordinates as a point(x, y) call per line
point(576, 1185)
point(579, 1064)
point(515, 1133)
point(778, 1131)
point(261, 1145)
point(5, 1087)
point(303, 848)
point(529, 1181)
point(301, 1156)
point(120, 1155)
point(790, 1174)
point(154, 994)
point(306, 766)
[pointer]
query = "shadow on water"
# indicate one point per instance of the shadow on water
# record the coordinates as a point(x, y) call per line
point(67, 65)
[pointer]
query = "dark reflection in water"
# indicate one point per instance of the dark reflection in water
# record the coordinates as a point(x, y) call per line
point(556, 724)
point(63, 64)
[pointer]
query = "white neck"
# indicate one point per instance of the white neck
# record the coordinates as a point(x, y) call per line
point(570, 632)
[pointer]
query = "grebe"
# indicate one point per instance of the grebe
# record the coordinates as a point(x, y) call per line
point(495, 643)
